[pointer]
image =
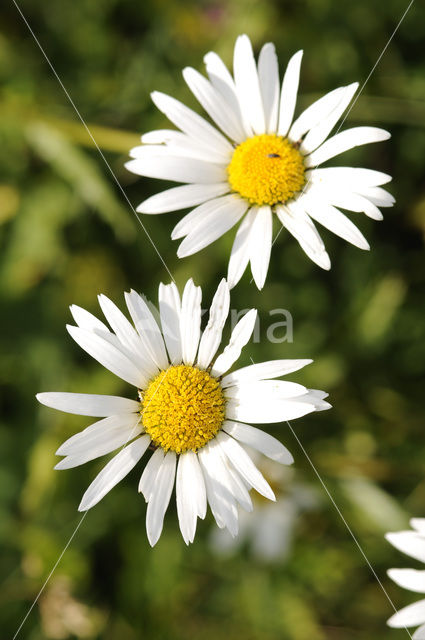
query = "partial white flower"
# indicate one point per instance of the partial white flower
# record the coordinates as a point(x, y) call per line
point(189, 411)
point(412, 543)
point(259, 161)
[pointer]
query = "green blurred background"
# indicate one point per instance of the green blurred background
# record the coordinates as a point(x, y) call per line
point(67, 234)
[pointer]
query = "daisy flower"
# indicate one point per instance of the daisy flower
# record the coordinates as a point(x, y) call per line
point(412, 543)
point(190, 412)
point(258, 161)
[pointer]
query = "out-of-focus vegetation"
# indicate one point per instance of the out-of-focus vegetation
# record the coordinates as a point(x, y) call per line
point(67, 234)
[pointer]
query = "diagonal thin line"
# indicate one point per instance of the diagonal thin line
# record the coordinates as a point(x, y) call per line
point(50, 574)
point(354, 102)
point(350, 531)
point(338, 510)
point(78, 526)
point(93, 140)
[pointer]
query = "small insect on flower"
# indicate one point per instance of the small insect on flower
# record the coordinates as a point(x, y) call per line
point(259, 163)
point(412, 543)
point(187, 408)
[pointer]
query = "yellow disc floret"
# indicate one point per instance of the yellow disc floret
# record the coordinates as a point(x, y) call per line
point(182, 408)
point(266, 169)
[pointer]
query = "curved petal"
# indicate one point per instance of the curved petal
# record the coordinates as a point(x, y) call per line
point(261, 245)
point(191, 494)
point(174, 169)
point(408, 579)
point(108, 355)
point(410, 616)
point(259, 440)
point(263, 371)
point(409, 542)
point(268, 75)
point(113, 472)
point(147, 480)
point(228, 211)
point(160, 497)
point(244, 465)
point(170, 310)
point(214, 104)
point(187, 195)
point(211, 336)
point(288, 96)
point(240, 336)
point(334, 220)
point(191, 123)
point(344, 141)
point(147, 328)
point(239, 256)
point(248, 85)
point(302, 228)
point(314, 114)
point(86, 404)
point(190, 322)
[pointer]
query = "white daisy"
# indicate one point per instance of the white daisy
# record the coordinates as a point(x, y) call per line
point(412, 543)
point(261, 162)
point(190, 412)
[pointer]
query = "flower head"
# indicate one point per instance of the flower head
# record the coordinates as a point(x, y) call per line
point(412, 543)
point(189, 411)
point(258, 162)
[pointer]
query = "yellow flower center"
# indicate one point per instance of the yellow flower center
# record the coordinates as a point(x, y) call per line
point(182, 408)
point(266, 169)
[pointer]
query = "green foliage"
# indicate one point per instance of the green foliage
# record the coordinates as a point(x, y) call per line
point(67, 233)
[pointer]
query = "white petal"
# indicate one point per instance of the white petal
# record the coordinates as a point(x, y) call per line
point(419, 633)
point(418, 524)
point(214, 104)
point(410, 616)
point(201, 215)
point(334, 220)
point(113, 472)
point(263, 371)
point(228, 211)
point(231, 479)
point(244, 465)
point(345, 140)
point(190, 494)
point(128, 337)
point(108, 355)
point(314, 114)
point(87, 320)
point(190, 322)
point(240, 336)
point(170, 309)
point(299, 224)
point(222, 80)
point(160, 136)
point(147, 328)
point(377, 195)
point(409, 542)
point(240, 253)
point(265, 389)
point(272, 411)
point(315, 397)
point(180, 147)
point(288, 96)
point(86, 404)
point(322, 129)
point(190, 122)
point(268, 74)
point(408, 579)
point(147, 480)
point(261, 245)
point(160, 497)
point(173, 168)
point(220, 499)
point(248, 85)
point(347, 200)
point(352, 177)
point(211, 336)
point(188, 195)
point(259, 440)
point(113, 430)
